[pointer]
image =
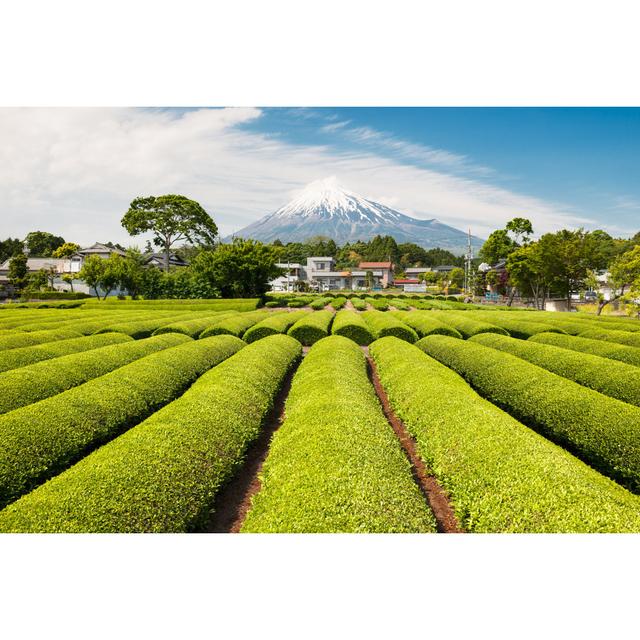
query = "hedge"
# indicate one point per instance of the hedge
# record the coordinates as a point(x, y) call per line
point(237, 324)
point(602, 348)
point(399, 304)
point(338, 303)
point(517, 328)
point(320, 303)
point(182, 304)
point(193, 328)
point(24, 339)
point(602, 431)
point(500, 475)
point(276, 323)
point(335, 465)
point(163, 475)
point(359, 304)
point(41, 380)
point(144, 328)
point(424, 324)
point(466, 325)
point(384, 324)
point(378, 303)
point(350, 324)
point(15, 358)
point(43, 439)
point(312, 328)
point(628, 338)
point(613, 379)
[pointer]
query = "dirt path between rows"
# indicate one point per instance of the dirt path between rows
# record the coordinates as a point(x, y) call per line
point(234, 500)
point(431, 489)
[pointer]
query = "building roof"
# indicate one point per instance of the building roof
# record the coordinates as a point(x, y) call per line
point(375, 265)
point(445, 267)
point(174, 259)
point(98, 247)
point(417, 269)
point(35, 264)
point(406, 281)
point(321, 258)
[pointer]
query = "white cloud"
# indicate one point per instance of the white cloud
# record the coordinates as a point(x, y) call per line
point(74, 171)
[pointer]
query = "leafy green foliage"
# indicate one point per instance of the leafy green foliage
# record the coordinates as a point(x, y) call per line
point(629, 338)
point(237, 324)
point(312, 328)
point(40, 380)
point(335, 464)
point(465, 324)
point(338, 303)
point(613, 379)
point(42, 243)
point(359, 304)
point(144, 328)
point(424, 324)
point(18, 270)
point(195, 327)
point(514, 326)
point(379, 304)
point(320, 303)
point(602, 431)
point(501, 476)
point(275, 323)
point(43, 439)
point(352, 325)
point(24, 339)
point(163, 475)
point(383, 324)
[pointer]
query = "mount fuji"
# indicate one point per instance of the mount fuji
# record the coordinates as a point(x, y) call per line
point(325, 208)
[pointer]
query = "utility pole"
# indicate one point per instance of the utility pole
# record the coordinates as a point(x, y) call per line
point(467, 264)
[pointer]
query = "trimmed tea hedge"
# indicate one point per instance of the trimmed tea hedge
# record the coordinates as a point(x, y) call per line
point(15, 358)
point(144, 328)
point(424, 324)
point(350, 324)
point(631, 339)
point(312, 328)
point(41, 380)
point(276, 323)
point(602, 348)
point(335, 464)
point(359, 304)
point(23, 339)
point(43, 439)
point(163, 475)
point(320, 303)
point(378, 303)
point(338, 303)
point(603, 431)
point(501, 476)
point(236, 325)
point(399, 304)
point(517, 328)
point(465, 324)
point(614, 379)
point(385, 324)
point(193, 328)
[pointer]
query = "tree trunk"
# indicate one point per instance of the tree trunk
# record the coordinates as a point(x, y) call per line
point(167, 247)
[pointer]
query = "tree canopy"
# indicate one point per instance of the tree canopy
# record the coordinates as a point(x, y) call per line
point(42, 243)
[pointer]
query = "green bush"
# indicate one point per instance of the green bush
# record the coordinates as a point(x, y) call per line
point(275, 323)
point(312, 328)
point(514, 326)
point(335, 464)
point(359, 304)
point(163, 475)
point(399, 304)
point(43, 439)
point(602, 431)
point(41, 380)
point(613, 379)
point(193, 328)
point(320, 303)
point(338, 303)
point(15, 358)
point(500, 475)
point(295, 304)
point(378, 303)
point(274, 303)
point(144, 328)
point(384, 324)
point(602, 348)
point(350, 324)
point(237, 324)
point(423, 323)
point(465, 324)
point(630, 338)
point(60, 295)
point(24, 339)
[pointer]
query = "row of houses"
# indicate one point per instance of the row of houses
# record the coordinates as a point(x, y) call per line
point(320, 273)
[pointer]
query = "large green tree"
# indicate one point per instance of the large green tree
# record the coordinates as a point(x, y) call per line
point(42, 243)
point(103, 274)
point(171, 218)
point(18, 270)
point(66, 250)
point(10, 247)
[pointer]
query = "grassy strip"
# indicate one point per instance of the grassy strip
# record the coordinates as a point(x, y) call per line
point(351, 325)
point(501, 475)
point(602, 348)
point(237, 324)
point(424, 324)
point(26, 385)
point(43, 439)
point(629, 338)
point(602, 431)
point(359, 304)
point(15, 358)
point(23, 339)
point(385, 324)
point(193, 328)
point(613, 379)
point(335, 464)
point(465, 324)
point(312, 328)
point(275, 323)
point(163, 474)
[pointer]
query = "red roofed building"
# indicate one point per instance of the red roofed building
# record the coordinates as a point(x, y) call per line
point(385, 267)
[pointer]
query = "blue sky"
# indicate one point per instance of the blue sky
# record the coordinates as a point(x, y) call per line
point(74, 171)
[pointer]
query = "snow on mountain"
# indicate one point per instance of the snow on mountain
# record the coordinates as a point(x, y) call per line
point(325, 208)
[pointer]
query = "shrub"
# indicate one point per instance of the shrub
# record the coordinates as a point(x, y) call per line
point(60, 295)
point(24, 339)
point(466, 325)
point(43, 439)
point(630, 338)
point(350, 324)
point(602, 348)
point(297, 303)
point(335, 464)
point(163, 475)
point(274, 303)
point(383, 324)
point(501, 476)
point(613, 379)
point(40, 380)
point(15, 358)
point(399, 304)
point(276, 323)
point(424, 324)
point(193, 328)
point(312, 328)
point(602, 431)
point(359, 304)
point(237, 324)
point(320, 303)
point(143, 328)
point(338, 303)
point(517, 328)
point(378, 303)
